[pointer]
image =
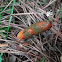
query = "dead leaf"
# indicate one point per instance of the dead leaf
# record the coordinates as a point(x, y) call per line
point(3, 45)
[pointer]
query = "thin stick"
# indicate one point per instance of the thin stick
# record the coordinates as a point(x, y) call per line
point(49, 4)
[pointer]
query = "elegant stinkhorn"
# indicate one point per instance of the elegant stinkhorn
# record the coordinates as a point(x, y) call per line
point(35, 28)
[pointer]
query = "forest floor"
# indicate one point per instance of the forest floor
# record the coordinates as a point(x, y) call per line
point(16, 15)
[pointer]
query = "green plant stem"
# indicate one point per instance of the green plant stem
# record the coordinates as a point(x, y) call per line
point(1, 57)
point(10, 18)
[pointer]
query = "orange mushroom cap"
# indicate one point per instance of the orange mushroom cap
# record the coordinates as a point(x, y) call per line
point(29, 31)
point(20, 35)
